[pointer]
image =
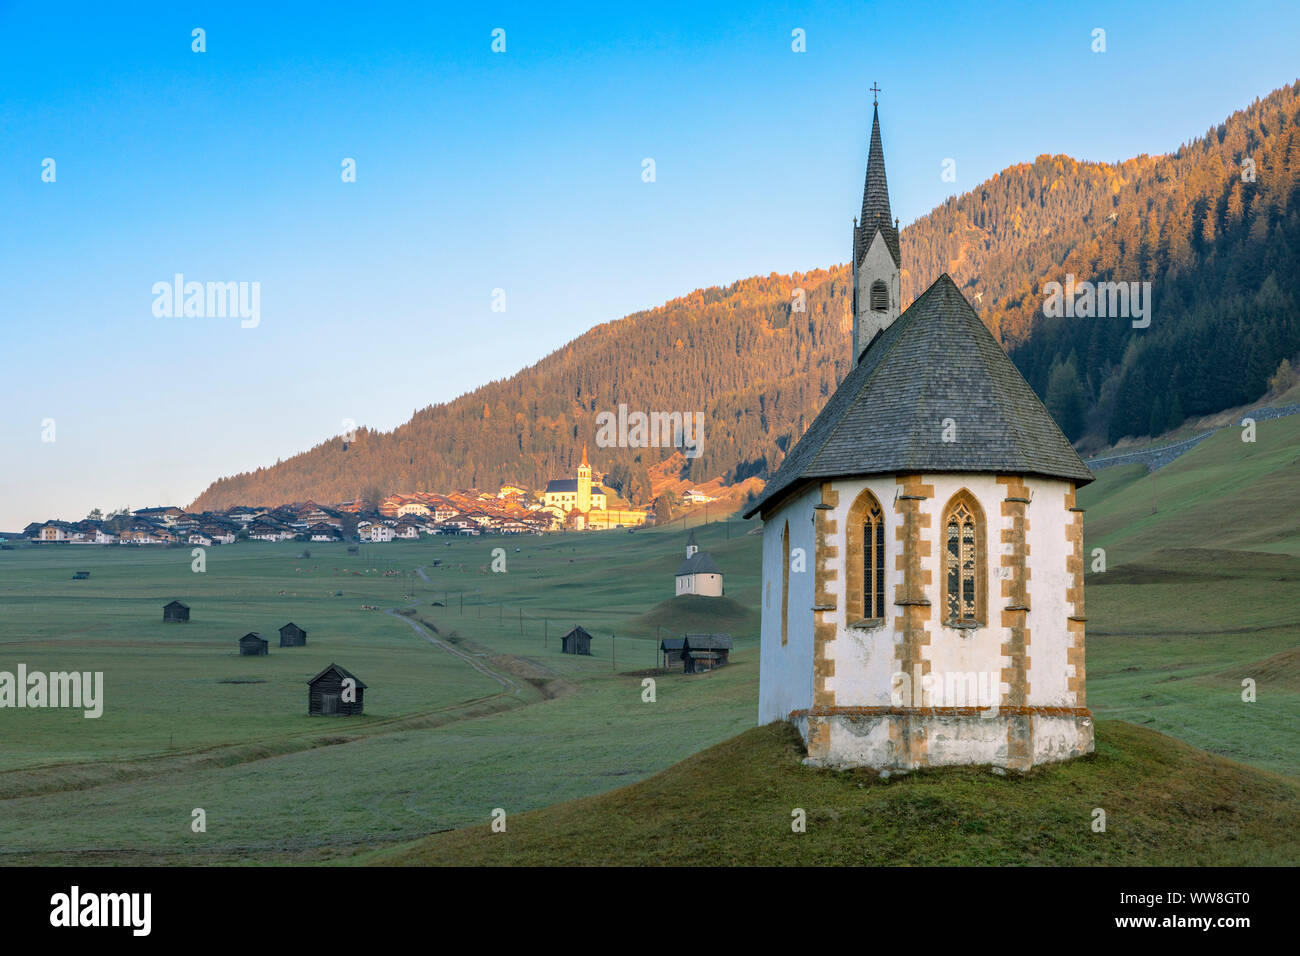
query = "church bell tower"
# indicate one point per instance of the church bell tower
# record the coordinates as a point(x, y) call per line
point(877, 287)
point(584, 483)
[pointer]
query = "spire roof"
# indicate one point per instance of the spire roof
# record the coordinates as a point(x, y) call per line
point(584, 455)
point(876, 215)
point(936, 361)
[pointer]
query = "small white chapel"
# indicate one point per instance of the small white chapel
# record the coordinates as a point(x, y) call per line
point(922, 599)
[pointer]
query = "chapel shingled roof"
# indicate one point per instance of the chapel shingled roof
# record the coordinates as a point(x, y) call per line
point(935, 361)
point(699, 563)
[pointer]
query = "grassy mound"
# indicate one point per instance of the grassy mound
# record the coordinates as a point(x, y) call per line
point(1166, 804)
point(1279, 671)
point(694, 613)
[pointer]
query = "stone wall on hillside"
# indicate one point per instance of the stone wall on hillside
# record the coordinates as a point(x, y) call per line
point(1157, 458)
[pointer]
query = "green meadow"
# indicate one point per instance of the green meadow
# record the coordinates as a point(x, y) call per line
point(1201, 590)
point(188, 723)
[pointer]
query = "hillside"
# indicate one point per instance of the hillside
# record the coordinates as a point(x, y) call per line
point(1167, 804)
point(695, 614)
point(1221, 254)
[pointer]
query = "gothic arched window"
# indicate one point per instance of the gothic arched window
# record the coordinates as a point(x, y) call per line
point(965, 573)
point(879, 296)
point(866, 551)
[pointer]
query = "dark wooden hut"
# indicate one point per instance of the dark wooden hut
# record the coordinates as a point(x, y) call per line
point(325, 693)
point(291, 635)
point(705, 652)
point(253, 644)
point(176, 613)
point(577, 641)
point(671, 648)
point(80, 575)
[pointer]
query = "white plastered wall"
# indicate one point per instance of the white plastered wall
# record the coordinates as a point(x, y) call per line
point(785, 671)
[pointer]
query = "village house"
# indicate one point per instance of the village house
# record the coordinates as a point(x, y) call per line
point(445, 511)
point(144, 533)
point(262, 531)
point(50, 531)
point(166, 516)
point(459, 526)
point(218, 534)
point(311, 515)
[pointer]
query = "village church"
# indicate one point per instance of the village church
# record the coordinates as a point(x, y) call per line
point(922, 599)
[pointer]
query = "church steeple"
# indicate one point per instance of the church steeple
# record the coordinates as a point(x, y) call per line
point(584, 483)
point(877, 261)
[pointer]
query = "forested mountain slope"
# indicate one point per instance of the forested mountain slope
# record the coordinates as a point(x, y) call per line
point(1220, 247)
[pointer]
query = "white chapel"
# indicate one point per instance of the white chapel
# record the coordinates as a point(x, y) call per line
point(922, 599)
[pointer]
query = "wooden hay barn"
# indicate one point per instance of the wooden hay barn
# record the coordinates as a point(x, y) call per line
point(176, 613)
point(291, 635)
point(252, 644)
point(325, 694)
point(671, 648)
point(705, 652)
point(80, 575)
point(577, 641)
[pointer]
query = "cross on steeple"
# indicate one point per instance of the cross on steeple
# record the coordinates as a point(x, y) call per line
point(874, 91)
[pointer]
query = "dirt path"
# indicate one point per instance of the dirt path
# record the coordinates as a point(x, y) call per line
point(471, 659)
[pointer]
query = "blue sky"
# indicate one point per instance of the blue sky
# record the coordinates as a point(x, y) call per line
point(477, 171)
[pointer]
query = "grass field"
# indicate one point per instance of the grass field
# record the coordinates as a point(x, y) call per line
point(1166, 804)
point(279, 786)
point(1201, 589)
